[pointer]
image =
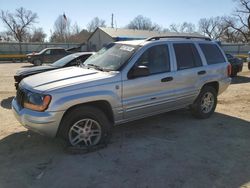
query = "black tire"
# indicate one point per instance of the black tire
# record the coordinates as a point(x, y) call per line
point(80, 114)
point(197, 109)
point(37, 62)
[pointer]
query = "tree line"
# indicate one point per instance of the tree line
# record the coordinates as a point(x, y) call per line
point(20, 26)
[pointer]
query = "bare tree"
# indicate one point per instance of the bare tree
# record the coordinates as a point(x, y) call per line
point(64, 32)
point(143, 23)
point(37, 35)
point(185, 27)
point(6, 36)
point(77, 35)
point(231, 36)
point(62, 28)
point(18, 23)
point(94, 23)
point(240, 21)
point(75, 29)
point(213, 27)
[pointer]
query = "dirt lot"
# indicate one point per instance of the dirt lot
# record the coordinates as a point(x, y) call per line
point(170, 150)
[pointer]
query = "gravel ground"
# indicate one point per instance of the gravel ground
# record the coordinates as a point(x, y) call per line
point(169, 150)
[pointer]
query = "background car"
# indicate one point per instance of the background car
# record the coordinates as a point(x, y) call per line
point(47, 55)
point(248, 60)
point(70, 60)
point(236, 63)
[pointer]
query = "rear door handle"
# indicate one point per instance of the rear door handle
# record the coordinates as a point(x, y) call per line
point(167, 79)
point(201, 72)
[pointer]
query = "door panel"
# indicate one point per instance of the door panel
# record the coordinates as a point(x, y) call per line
point(149, 94)
point(186, 88)
point(47, 56)
point(189, 71)
point(142, 96)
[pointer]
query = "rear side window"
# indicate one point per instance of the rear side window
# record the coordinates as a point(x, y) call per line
point(212, 53)
point(187, 56)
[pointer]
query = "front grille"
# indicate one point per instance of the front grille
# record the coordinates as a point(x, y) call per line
point(20, 94)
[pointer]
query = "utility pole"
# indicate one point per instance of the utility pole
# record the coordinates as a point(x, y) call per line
point(112, 20)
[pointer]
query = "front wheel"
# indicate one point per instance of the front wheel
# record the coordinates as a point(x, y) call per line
point(205, 104)
point(86, 126)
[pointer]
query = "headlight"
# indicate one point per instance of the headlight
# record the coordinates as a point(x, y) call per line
point(37, 102)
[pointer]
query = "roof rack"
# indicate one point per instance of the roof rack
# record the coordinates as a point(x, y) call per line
point(178, 36)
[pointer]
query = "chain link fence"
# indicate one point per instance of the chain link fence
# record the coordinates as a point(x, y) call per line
point(15, 48)
point(236, 49)
point(25, 48)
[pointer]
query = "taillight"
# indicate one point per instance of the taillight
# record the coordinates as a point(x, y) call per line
point(229, 70)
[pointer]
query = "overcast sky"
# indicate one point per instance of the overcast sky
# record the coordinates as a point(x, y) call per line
point(162, 12)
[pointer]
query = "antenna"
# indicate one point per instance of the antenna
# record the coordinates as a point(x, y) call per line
point(112, 20)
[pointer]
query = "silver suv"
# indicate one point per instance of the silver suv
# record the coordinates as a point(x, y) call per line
point(123, 82)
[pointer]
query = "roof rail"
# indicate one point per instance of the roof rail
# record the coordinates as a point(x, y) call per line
point(178, 36)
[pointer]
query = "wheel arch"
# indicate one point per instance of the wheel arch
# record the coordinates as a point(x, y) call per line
point(213, 84)
point(102, 105)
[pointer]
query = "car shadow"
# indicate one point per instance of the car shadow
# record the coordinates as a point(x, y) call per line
point(240, 80)
point(6, 103)
point(27, 66)
point(168, 150)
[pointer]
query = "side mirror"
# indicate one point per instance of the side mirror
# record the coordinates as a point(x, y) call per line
point(139, 71)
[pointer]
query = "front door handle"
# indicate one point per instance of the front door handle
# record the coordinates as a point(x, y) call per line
point(167, 79)
point(201, 72)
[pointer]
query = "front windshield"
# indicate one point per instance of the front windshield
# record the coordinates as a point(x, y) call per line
point(111, 57)
point(42, 51)
point(61, 62)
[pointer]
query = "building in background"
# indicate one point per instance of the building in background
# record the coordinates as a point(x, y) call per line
point(103, 36)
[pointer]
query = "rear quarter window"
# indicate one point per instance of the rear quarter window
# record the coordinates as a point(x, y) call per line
point(212, 54)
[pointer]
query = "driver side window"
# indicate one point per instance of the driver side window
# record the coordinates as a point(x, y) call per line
point(156, 59)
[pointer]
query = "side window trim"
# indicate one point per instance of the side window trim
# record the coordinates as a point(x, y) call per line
point(173, 61)
point(194, 50)
point(203, 58)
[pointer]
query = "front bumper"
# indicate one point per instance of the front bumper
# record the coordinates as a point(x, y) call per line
point(17, 79)
point(44, 123)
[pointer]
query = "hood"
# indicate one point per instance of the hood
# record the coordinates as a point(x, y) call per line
point(32, 54)
point(64, 77)
point(33, 70)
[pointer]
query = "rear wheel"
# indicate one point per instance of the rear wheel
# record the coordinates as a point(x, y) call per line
point(86, 126)
point(205, 104)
